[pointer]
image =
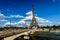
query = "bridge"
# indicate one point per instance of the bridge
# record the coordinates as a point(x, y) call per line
point(25, 32)
point(13, 34)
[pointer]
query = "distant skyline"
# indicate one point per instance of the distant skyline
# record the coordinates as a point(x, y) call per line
point(47, 12)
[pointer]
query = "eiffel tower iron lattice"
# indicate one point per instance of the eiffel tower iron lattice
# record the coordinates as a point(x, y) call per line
point(34, 22)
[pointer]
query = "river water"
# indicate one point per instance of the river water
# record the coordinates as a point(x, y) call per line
point(44, 36)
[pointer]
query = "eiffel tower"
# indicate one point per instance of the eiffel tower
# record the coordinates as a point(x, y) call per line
point(34, 22)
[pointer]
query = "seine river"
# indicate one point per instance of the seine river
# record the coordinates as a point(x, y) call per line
point(44, 36)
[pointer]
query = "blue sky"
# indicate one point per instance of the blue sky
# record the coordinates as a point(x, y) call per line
point(46, 9)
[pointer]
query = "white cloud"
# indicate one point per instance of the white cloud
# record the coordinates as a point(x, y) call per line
point(14, 16)
point(3, 20)
point(22, 22)
point(25, 20)
point(29, 13)
point(11, 16)
point(2, 15)
point(40, 21)
point(8, 23)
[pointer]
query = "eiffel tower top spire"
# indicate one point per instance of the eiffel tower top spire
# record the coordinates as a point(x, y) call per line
point(33, 11)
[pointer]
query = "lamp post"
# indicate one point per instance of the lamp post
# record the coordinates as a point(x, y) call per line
point(10, 22)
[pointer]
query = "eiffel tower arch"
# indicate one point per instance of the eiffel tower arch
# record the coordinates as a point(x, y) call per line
point(34, 22)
